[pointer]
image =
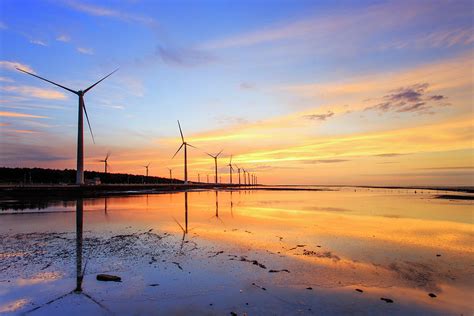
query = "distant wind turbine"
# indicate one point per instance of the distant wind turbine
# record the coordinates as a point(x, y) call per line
point(80, 124)
point(171, 174)
point(105, 161)
point(230, 169)
point(238, 170)
point(215, 163)
point(146, 167)
point(185, 144)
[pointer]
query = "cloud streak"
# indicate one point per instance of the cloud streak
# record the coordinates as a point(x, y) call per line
point(12, 65)
point(319, 117)
point(85, 50)
point(40, 93)
point(19, 115)
point(409, 99)
point(101, 11)
point(183, 57)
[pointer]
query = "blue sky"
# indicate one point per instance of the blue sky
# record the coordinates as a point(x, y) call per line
point(223, 67)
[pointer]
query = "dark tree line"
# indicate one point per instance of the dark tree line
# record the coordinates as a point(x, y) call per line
point(68, 176)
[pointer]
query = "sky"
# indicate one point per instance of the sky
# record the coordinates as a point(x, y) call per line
point(298, 92)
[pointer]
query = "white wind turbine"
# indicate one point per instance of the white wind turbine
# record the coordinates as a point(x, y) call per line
point(215, 163)
point(238, 170)
point(185, 144)
point(230, 169)
point(105, 161)
point(80, 124)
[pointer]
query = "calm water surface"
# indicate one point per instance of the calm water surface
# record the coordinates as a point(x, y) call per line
point(215, 252)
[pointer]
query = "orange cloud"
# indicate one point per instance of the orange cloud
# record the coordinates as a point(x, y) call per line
point(35, 92)
point(12, 65)
point(22, 115)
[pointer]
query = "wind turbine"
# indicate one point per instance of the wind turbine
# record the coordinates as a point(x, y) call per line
point(171, 175)
point(238, 170)
point(146, 167)
point(105, 161)
point(215, 163)
point(80, 124)
point(185, 144)
point(230, 169)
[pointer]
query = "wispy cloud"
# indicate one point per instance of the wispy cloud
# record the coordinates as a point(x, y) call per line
point(85, 51)
point(389, 155)
point(29, 91)
point(319, 117)
point(5, 79)
point(38, 42)
point(63, 38)
point(183, 57)
point(409, 99)
point(102, 11)
point(247, 86)
point(460, 36)
point(12, 65)
point(354, 25)
point(20, 115)
point(326, 161)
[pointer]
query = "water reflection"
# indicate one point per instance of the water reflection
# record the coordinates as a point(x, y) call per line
point(383, 241)
point(79, 228)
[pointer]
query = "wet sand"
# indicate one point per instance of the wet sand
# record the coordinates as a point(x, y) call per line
point(254, 252)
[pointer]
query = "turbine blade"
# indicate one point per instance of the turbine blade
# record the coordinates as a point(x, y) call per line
point(56, 84)
point(178, 224)
point(177, 150)
point(88, 123)
point(210, 155)
point(219, 153)
point(181, 132)
point(230, 159)
point(100, 81)
point(108, 154)
point(191, 145)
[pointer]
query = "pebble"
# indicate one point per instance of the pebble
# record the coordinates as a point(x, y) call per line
point(108, 277)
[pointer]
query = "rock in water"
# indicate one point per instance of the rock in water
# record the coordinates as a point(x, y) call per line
point(387, 300)
point(108, 277)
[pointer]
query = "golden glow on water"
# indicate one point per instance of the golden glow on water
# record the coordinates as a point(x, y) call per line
point(368, 238)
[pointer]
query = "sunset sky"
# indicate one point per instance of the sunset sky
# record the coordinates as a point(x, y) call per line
point(299, 92)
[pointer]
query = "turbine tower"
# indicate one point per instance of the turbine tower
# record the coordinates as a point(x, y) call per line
point(185, 144)
point(238, 170)
point(146, 167)
point(230, 169)
point(171, 175)
point(105, 161)
point(80, 123)
point(215, 163)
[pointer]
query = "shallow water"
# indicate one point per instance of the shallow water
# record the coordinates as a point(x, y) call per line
point(254, 252)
